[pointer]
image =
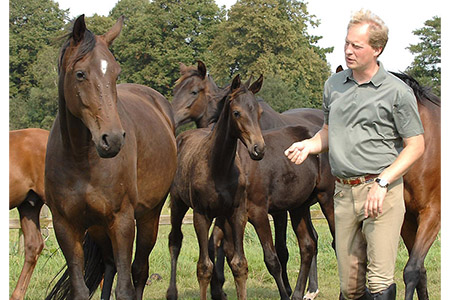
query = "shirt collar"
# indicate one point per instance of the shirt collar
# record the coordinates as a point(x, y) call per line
point(376, 80)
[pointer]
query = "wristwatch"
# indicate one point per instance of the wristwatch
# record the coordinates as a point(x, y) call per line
point(382, 182)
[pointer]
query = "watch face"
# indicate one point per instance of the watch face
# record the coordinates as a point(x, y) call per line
point(382, 182)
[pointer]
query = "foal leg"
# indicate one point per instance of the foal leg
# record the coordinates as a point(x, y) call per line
point(239, 265)
point(418, 241)
point(147, 232)
point(280, 225)
point(204, 264)
point(29, 222)
point(177, 211)
point(260, 221)
point(217, 255)
point(313, 285)
point(301, 223)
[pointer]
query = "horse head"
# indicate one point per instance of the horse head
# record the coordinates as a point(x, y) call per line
point(245, 114)
point(88, 73)
point(192, 94)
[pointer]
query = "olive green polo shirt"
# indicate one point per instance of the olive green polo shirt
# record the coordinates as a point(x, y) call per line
point(367, 122)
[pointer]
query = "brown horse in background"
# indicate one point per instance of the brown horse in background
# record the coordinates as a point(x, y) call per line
point(422, 193)
point(111, 158)
point(210, 179)
point(195, 99)
point(26, 192)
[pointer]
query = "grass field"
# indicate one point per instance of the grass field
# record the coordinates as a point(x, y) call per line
point(260, 284)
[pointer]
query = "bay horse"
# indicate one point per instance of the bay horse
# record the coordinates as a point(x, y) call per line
point(111, 158)
point(26, 193)
point(422, 192)
point(195, 99)
point(210, 180)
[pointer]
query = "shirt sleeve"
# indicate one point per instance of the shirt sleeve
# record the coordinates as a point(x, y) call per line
point(406, 115)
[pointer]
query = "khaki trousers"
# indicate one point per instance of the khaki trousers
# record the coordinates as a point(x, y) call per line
point(366, 246)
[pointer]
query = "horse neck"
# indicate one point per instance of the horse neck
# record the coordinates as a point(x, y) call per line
point(76, 137)
point(212, 93)
point(223, 145)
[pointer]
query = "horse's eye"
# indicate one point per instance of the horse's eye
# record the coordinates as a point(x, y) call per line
point(236, 114)
point(80, 75)
point(194, 93)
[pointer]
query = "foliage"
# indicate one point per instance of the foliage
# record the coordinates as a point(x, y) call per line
point(163, 34)
point(426, 67)
point(270, 37)
point(32, 24)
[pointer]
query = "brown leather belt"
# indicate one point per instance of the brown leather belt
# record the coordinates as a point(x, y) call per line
point(357, 180)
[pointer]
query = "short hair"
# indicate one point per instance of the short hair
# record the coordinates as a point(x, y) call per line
point(378, 31)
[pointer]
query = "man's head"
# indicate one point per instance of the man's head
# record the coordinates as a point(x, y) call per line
point(367, 36)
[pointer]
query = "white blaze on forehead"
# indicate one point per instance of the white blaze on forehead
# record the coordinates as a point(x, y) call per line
point(104, 66)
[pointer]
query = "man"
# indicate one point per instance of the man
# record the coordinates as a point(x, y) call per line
point(374, 134)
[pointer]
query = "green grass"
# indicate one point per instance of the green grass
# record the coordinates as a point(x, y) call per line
point(260, 284)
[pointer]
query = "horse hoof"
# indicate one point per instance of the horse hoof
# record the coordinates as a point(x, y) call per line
point(311, 295)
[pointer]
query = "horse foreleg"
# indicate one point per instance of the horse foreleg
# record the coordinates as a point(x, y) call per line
point(70, 239)
point(260, 221)
point(238, 264)
point(204, 264)
point(313, 285)
point(121, 233)
point(29, 222)
point(280, 225)
point(177, 211)
point(418, 243)
point(301, 223)
point(147, 232)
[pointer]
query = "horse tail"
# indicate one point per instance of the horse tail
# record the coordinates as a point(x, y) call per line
point(94, 268)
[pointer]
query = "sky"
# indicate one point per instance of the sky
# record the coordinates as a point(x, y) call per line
point(401, 16)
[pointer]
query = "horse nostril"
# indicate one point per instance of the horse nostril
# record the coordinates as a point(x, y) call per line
point(105, 143)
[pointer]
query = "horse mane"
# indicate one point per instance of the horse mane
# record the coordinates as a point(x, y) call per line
point(421, 92)
point(87, 44)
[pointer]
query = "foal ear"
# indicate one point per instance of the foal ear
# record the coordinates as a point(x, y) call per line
point(79, 28)
point(339, 69)
point(236, 83)
point(114, 32)
point(256, 86)
point(201, 68)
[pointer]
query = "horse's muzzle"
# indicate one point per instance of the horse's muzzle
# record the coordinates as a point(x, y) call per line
point(257, 151)
point(110, 144)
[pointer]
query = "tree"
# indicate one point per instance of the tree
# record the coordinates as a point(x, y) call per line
point(270, 37)
point(32, 25)
point(426, 67)
point(163, 34)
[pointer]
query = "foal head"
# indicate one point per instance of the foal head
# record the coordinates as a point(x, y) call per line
point(245, 114)
point(87, 84)
point(193, 93)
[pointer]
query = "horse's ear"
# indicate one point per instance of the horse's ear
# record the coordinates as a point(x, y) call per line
point(114, 32)
point(183, 68)
point(256, 86)
point(339, 69)
point(236, 83)
point(201, 68)
point(79, 28)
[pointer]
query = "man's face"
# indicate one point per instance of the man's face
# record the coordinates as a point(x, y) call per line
point(359, 55)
